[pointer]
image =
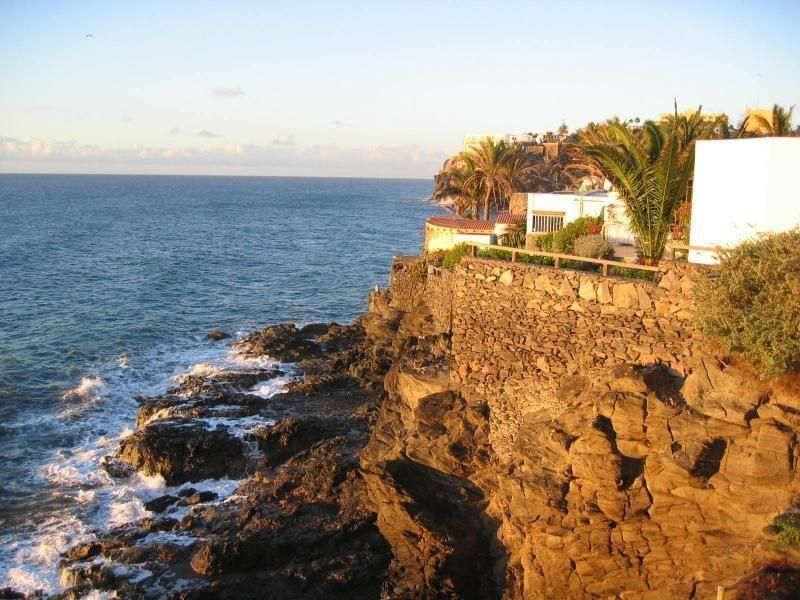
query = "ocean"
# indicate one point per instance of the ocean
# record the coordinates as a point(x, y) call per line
point(108, 287)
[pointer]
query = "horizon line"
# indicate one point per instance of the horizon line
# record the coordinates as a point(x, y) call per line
point(213, 175)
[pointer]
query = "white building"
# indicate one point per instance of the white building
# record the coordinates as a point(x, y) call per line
point(551, 211)
point(743, 188)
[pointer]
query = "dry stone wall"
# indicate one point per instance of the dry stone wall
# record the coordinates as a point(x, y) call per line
point(518, 329)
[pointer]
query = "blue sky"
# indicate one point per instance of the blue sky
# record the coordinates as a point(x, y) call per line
point(360, 88)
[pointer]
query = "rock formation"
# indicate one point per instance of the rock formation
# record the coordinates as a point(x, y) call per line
point(499, 432)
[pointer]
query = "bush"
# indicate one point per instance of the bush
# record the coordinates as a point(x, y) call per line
point(593, 246)
point(749, 303)
point(563, 240)
point(778, 580)
point(787, 531)
point(494, 254)
point(453, 256)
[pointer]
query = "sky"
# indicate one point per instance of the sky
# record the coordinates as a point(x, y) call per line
point(363, 89)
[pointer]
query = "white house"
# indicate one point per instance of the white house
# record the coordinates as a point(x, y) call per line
point(551, 211)
point(743, 188)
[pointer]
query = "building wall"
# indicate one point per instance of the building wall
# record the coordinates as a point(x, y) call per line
point(444, 238)
point(743, 188)
point(569, 204)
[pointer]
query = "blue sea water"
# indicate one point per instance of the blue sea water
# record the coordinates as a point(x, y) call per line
point(108, 285)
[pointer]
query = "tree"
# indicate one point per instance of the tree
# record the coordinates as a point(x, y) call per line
point(779, 125)
point(650, 169)
point(492, 172)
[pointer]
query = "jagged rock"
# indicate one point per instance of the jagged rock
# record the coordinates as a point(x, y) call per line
point(181, 452)
point(161, 503)
point(283, 440)
point(283, 343)
point(217, 335)
point(201, 497)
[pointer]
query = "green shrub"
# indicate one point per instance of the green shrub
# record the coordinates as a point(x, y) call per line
point(749, 303)
point(435, 257)
point(631, 273)
point(787, 531)
point(453, 256)
point(418, 270)
point(514, 236)
point(494, 254)
point(593, 246)
point(563, 240)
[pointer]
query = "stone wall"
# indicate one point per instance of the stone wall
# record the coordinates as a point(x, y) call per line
point(439, 297)
point(518, 329)
point(408, 289)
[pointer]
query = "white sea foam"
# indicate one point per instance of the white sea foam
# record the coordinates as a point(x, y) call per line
point(107, 409)
point(88, 387)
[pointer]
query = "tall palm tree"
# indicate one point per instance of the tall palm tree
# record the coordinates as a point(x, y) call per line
point(458, 173)
point(780, 125)
point(649, 168)
point(495, 170)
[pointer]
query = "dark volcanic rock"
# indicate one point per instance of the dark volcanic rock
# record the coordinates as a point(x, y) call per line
point(290, 436)
point(201, 497)
point(117, 468)
point(217, 335)
point(161, 503)
point(284, 343)
point(183, 452)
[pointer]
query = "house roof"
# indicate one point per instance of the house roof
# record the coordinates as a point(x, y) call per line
point(476, 225)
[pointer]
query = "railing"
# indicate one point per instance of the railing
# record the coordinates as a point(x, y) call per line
point(546, 221)
point(557, 258)
point(687, 247)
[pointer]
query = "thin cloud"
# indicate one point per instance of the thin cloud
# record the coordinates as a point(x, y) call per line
point(42, 107)
point(341, 124)
point(229, 92)
point(208, 134)
point(127, 119)
point(285, 139)
point(174, 131)
point(40, 154)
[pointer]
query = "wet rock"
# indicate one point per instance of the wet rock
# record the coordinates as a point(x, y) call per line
point(217, 335)
point(283, 343)
point(186, 492)
point(117, 468)
point(201, 497)
point(182, 452)
point(160, 504)
point(290, 436)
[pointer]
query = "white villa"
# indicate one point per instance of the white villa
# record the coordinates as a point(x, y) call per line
point(742, 188)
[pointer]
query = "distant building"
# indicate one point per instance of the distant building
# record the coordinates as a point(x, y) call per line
point(707, 117)
point(742, 188)
point(751, 126)
point(445, 231)
point(524, 139)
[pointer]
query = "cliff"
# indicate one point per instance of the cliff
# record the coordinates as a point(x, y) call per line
point(499, 431)
point(551, 434)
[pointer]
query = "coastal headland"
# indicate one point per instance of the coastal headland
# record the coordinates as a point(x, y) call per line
point(497, 430)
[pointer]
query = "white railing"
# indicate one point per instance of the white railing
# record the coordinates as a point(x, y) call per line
point(546, 222)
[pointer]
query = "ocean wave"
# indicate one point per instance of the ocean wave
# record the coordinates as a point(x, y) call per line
point(88, 387)
point(95, 499)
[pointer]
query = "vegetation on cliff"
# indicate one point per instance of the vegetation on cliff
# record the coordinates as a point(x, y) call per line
point(749, 302)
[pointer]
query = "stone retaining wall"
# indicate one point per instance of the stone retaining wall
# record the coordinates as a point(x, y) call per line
point(517, 329)
point(407, 289)
point(439, 297)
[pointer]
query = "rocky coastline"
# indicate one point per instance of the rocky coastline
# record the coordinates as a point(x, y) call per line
point(380, 471)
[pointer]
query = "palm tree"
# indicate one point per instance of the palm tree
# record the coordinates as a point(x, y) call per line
point(649, 168)
point(493, 171)
point(458, 173)
point(780, 124)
